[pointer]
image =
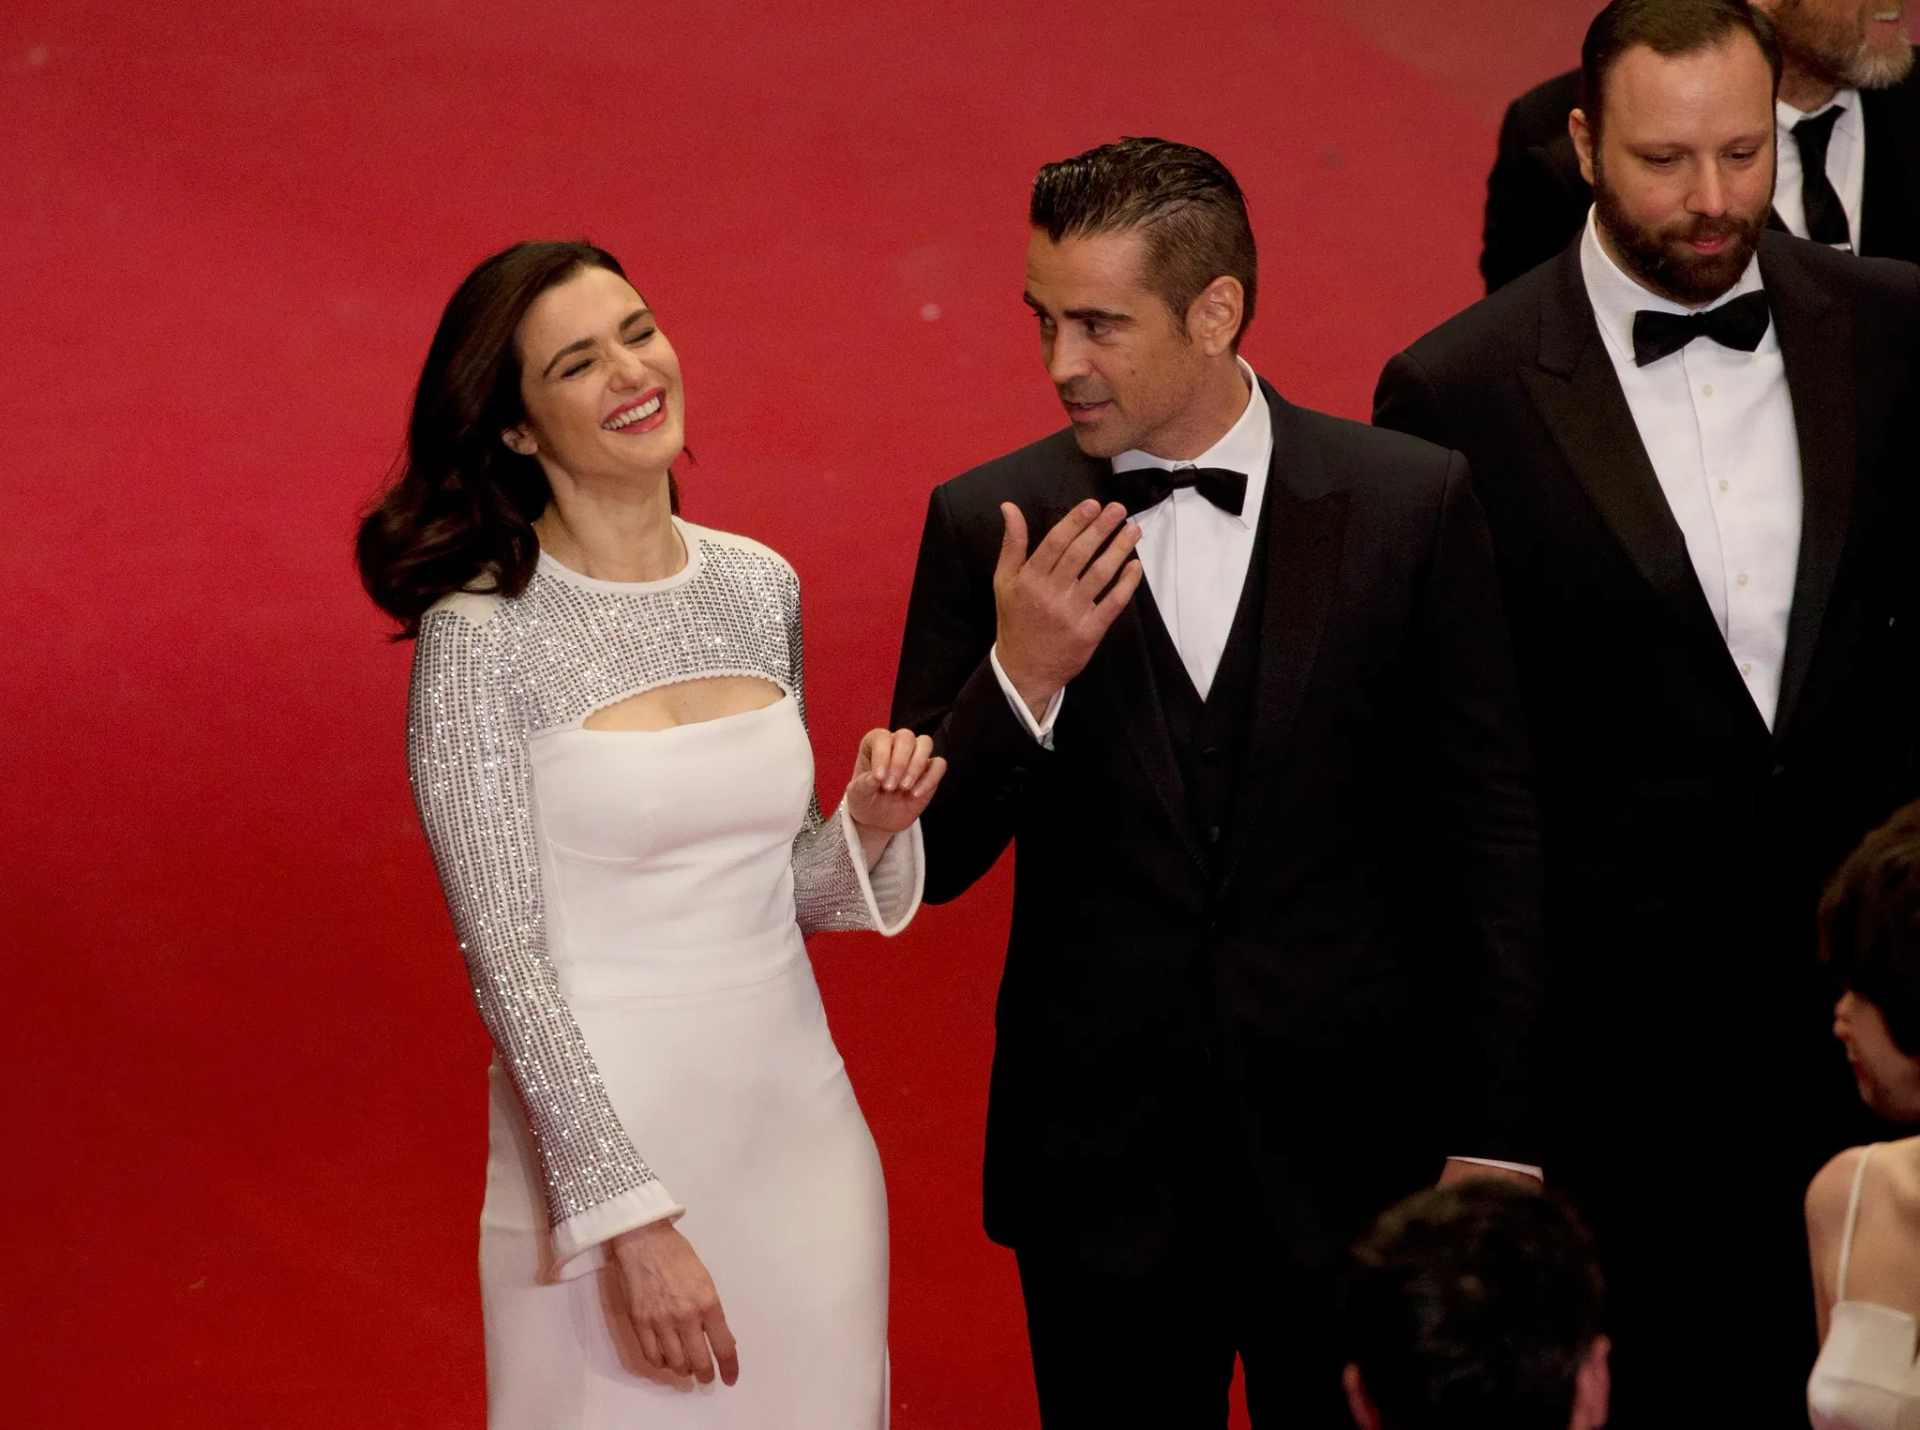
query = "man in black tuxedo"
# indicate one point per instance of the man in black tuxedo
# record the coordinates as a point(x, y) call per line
point(1692, 436)
point(1274, 938)
point(1848, 143)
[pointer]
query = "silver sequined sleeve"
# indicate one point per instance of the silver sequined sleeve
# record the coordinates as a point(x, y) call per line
point(832, 889)
point(466, 748)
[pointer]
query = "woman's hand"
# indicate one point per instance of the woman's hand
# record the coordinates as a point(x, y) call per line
point(893, 778)
point(671, 1301)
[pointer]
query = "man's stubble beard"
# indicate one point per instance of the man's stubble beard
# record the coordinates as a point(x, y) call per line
point(1838, 53)
point(1652, 255)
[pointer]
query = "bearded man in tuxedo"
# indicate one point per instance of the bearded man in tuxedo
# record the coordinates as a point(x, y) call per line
point(1692, 436)
point(1276, 869)
point(1846, 143)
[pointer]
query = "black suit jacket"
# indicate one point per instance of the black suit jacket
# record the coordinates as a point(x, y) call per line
point(1536, 199)
point(1168, 1024)
point(1686, 843)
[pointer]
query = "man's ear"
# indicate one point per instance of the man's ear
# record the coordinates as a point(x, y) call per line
point(1215, 317)
point(519, 439)
point(1582, 134)
point(1359, 1403)
point(1593, 1387)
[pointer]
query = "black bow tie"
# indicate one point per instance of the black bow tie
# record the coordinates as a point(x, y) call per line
point(1739, 324)
point(1149, 486)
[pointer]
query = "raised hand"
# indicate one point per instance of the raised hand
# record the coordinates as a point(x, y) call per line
point(671, 1302)
point(1052, 613)
point(894, 775)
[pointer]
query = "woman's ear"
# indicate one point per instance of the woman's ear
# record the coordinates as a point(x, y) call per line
point(518, 439)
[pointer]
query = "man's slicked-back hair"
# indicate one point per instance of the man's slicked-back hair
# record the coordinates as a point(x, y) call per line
point(1473, 1305)
point(1180, 199)
point(1668, 28)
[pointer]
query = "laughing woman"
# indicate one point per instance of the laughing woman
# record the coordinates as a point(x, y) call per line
point(606, 739)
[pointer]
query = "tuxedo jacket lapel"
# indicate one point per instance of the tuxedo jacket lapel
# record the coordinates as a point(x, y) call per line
point(1306, 520)
point(1816, 342)
point(1577, 393)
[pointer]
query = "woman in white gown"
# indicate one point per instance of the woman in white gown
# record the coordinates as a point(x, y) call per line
point(1863, 1209)
point(607, 743)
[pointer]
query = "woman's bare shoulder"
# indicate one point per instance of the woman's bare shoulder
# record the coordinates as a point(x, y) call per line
point(1828, 1192)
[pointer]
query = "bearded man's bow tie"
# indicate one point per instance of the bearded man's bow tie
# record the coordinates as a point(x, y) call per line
point(1739, 324)
point(1145, 487)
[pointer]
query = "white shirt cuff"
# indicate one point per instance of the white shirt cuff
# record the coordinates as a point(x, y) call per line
point(1524, 1167)
point(1041, 729)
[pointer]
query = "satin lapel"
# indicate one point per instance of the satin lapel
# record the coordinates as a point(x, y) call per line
point(1119, 680)
point(1304, 539)
point(1816, 342)
point(1577, 394)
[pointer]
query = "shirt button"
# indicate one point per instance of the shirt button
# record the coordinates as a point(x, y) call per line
point(1746, 667)
point(1707, 390)
point(1741, 578)
point(1723, 484)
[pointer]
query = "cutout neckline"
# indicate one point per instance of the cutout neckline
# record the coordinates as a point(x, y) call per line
point(783, 698)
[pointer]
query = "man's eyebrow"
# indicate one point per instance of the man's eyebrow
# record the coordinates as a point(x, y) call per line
point(627, 322)
point(1097, 315)
point(1083, 315)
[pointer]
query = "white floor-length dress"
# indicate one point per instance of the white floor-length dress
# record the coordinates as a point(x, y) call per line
point(632, 906)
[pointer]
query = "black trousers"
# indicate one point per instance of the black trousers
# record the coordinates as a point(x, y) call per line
point(1710, 1302)
point(1155, 1350)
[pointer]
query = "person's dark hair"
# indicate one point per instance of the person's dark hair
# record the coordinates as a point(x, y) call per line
point(1473, 1305)
point(458, 514)
point(1182, 199)
point(1669, 28)
point(1870, 925)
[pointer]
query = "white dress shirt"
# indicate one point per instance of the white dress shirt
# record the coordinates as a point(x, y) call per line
point(1846, 162)
point(1717, 424)
point(1195, 557)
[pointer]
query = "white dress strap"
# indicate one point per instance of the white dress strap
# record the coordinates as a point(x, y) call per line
point(1846, 1234)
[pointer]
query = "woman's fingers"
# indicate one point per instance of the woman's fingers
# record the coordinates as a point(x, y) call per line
point(724, 1349)
point(899, 756)
point(693, 1339)
point(672, 1353)
point(917, 762)
point(930, 778)
point(649, 1345)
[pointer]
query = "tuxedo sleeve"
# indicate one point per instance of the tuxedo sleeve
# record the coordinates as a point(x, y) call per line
point(1482, 814)
point(946, 687)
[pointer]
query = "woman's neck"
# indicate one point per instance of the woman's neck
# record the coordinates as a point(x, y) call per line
point(622, 535)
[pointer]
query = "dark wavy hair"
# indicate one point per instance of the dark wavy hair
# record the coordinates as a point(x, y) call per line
point(1870, 925)
point(458, 513)
point(1473, 1305)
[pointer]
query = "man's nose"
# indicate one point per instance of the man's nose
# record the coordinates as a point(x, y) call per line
point(1066, 359)
point(1709, 197)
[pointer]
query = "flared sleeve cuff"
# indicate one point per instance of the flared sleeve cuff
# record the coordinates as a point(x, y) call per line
point(892, 888)
point(579, 1242)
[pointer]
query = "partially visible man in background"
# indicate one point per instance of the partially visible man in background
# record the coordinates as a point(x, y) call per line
point(1477, 1304)
point(1848, 119)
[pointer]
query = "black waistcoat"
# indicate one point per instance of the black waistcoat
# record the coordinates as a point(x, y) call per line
point(1210, 737)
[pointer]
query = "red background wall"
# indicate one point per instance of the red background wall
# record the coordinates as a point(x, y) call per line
point(243, 1080)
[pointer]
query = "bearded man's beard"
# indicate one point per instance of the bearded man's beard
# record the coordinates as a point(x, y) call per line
point(1662, 258)
point(1839, 52)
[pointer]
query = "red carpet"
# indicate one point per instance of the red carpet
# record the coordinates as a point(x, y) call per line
point(245, 1077)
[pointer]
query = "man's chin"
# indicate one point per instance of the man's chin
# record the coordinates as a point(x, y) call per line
point(1099, 436)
